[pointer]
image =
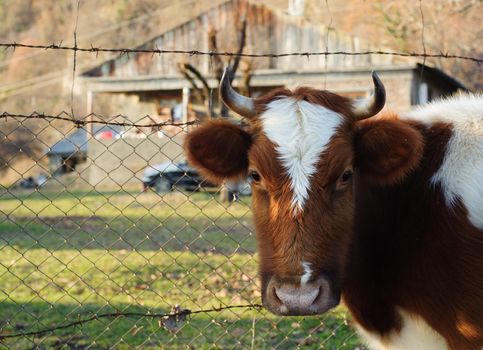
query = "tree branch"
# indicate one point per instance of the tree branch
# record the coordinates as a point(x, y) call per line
point(241, 47)
point(187, 76)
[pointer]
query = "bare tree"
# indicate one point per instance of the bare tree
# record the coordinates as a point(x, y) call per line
point(198, 82)
point(201, 89)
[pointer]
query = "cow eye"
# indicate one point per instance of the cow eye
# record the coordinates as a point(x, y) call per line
point(346, 176)
point(254, 176)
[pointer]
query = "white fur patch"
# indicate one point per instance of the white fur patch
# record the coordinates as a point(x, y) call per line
point(461, 173)
point(301, 132)
point(360, 105)
point(415, 334)
point(307, 273)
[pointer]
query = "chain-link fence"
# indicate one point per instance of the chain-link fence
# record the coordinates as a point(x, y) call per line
point(108, 240)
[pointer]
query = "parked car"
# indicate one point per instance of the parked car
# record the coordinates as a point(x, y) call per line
point(163, 177)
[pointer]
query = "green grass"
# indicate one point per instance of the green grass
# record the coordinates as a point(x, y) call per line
point(66, 256)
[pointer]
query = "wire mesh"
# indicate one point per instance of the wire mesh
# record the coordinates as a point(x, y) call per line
point(96, 232)
point(108, 240)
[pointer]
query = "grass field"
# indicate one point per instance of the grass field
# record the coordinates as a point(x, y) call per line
point(66, 256)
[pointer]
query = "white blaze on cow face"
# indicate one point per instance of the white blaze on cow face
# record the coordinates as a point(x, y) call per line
point(361, 105)
point(307, 273)
point(301, 131)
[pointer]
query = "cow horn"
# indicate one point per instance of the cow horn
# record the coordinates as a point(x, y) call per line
point(366, 108)
point(240, 104)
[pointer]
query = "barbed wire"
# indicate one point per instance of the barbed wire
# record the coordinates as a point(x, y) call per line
point(174, 319)
point(173, 316)
point(86, 119)
point(157, 51)
point(423, 43)
point(74, 58)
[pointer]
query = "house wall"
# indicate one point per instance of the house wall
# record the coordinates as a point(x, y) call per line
point(121, 162)
point(352, 83)
point(398, 86)
point(128, 104)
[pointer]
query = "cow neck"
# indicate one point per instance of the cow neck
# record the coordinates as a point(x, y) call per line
point(393, 237)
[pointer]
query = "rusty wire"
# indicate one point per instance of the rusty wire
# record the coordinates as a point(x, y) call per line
point(156, 51)
point(168, 316)
point(80, 121)
point(87, 119)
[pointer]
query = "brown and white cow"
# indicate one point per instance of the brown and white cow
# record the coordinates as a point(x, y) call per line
point(384, 212)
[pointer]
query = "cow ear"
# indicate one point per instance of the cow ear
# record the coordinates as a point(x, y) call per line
point(219, 150)
point(386, 151)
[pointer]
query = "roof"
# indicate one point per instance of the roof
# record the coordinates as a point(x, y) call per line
point(270, 78)
point(441, 78)
point(268, 30)
point(75, 142)
point(168, 15)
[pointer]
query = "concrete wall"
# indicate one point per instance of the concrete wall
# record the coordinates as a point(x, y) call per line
point(111, 104)
point(121, 162)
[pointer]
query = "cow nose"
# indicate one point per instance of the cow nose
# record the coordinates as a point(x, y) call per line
point(290, 297)
point(294, 297)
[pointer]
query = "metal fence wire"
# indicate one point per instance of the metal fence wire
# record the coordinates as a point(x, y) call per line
point(108, 239)
point(96, 253)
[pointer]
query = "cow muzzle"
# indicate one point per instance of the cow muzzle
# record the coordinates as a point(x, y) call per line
point(287, 296)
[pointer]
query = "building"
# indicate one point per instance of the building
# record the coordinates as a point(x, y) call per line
point(65, 155)
point(144, 84)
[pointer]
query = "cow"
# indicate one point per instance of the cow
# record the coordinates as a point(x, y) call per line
point(382, 212)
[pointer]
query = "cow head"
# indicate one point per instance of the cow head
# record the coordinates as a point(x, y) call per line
point(301, 151)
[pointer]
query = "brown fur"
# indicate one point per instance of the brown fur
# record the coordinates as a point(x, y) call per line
point(409, 250)
point(387, 150)
point(219, 150)
point(384, 240)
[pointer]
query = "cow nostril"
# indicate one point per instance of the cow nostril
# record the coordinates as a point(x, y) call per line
point(319, 296)
point(275, 295)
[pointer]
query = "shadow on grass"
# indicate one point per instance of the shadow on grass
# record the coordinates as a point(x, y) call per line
point(68, 194)
point(225, 235)
point(226, 330)
point(114, 221)
point(23, 194)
